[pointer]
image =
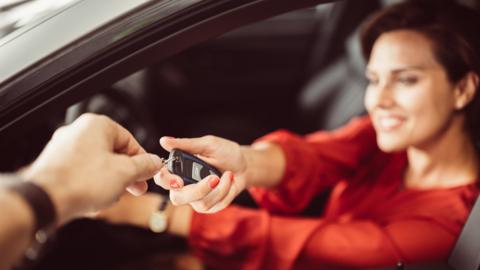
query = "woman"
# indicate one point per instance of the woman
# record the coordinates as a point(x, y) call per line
point(403, 178)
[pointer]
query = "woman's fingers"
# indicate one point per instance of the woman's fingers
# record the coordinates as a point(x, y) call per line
point(194, 192)
point(212, 193)
point(216, 195)
point(227, 200)
point(167, 180)
point(201, 146)
point(209, 195)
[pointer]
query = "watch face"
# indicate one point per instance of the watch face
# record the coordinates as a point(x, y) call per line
point(158, 221)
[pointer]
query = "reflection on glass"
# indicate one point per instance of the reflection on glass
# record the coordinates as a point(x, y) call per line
point(15, 14)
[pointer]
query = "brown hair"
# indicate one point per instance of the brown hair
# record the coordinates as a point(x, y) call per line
point(453, 31)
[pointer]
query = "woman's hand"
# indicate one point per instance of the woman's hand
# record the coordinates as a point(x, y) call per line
point(211, 194)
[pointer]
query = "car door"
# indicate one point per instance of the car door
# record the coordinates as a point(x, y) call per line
point(91, 44)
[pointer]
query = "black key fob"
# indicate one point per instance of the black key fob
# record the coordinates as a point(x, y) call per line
point(190, 168)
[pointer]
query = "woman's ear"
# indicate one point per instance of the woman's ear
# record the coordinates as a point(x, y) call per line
point(465, 90)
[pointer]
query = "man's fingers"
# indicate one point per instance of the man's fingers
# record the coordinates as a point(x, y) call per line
point(145, 166)
point(124, 142)
point(138, 188)
point(117, 138)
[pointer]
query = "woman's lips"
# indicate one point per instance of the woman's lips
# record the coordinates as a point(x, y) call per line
point(390, 123)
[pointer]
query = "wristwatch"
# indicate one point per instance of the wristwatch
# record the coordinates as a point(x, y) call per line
point(158, 221)
point(44, 215)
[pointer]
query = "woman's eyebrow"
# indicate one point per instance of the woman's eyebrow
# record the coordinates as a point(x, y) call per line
point(409, 68)
point(400, 69)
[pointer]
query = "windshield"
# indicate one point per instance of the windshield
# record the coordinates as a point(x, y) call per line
point(15, 14)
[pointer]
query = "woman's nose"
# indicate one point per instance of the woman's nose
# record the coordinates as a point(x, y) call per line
point(384, 96)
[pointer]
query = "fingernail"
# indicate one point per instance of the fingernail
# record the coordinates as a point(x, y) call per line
point(232, 176)
point(156, 160)
point(174, 184)
point(213, 182)
point(168, 137)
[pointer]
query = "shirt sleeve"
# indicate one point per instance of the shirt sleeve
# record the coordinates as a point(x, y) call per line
point(239, 238)
point(315, 162)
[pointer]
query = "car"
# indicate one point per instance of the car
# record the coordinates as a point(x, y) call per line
point(67, 63)
point(233, 68)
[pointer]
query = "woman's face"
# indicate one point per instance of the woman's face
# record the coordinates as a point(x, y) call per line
point(409, 97)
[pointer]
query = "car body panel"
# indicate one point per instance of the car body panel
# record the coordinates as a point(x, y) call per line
point(32, 43)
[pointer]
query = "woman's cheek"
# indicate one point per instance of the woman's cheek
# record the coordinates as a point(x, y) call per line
point(368, 100)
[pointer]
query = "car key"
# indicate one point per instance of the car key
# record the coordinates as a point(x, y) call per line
point(189, 167)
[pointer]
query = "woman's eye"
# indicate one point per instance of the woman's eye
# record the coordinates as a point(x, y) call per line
point(407, 80)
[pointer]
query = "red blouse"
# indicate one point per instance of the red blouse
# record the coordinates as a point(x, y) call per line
point(369, 220)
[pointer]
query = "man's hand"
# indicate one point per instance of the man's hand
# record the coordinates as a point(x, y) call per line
point(87, 166)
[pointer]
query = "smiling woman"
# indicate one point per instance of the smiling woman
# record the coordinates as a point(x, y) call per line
point(425, 97)
point(410, 99)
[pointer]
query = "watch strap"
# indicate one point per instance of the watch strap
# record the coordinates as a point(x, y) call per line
point(39, 201)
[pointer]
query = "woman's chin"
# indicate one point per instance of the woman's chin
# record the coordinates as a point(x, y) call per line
point(390, 145)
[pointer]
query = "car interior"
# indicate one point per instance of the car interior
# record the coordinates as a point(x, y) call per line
point(286, 72)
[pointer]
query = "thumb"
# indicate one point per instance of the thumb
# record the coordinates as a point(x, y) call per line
point(145, 166)
point(201, 145)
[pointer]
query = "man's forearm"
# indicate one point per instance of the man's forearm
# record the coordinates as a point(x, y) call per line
point(64, 185)
point(16, 228)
